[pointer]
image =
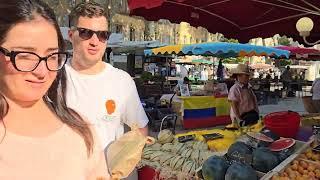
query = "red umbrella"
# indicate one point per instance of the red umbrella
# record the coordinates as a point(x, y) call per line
point(301, 53)
point(241, 19)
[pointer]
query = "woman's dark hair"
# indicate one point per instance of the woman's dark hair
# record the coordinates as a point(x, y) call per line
point(16, 11)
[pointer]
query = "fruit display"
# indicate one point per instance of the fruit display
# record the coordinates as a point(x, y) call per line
point(172, 158)
point(311, 155)
point(215, 167)
point(245, 162)
point(165, 136)
point(264, 160)
point(299, 169)
point(239, 151)
point(249, 155)
point(240, 171)
point(310, 119)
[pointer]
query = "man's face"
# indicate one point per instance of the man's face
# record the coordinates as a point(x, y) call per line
point(243, 78)
point(88, 52)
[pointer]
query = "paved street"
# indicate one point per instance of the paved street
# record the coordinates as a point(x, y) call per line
point(285, 104)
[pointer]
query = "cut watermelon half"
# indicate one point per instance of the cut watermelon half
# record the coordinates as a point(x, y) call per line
point(260, 137)
point(282, 144)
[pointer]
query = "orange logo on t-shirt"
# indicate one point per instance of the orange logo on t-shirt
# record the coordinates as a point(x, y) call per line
point(110, 106)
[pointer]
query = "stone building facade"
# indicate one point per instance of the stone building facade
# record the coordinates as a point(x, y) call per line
point(136, 28)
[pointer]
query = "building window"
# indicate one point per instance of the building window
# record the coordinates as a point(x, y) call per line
point(132, 34)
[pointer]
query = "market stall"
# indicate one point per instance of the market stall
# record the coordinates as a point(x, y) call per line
point(251, 153)
point(212, 110)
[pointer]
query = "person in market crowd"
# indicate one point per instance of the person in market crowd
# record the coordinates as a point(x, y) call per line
point(107, 96)
point(40, 138)
point(315, 90)
point(286, 79)
point(185, 81)
point(220, 71)
point(256, 74)
point(244, 107)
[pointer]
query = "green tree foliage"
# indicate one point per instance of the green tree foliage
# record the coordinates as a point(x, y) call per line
point(285, 62)
point(231, 40)
point(237, 60)
point(284, 41)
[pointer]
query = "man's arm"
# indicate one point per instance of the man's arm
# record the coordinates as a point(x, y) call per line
point(144, 131)
point(134, 114)
point(235, 108)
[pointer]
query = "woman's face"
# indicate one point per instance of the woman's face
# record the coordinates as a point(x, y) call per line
point(37, 36)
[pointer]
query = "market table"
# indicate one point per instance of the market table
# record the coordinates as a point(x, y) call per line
point(204, 111)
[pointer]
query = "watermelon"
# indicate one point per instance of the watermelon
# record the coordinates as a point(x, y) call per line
point(214, 168)
point(283, 147)
point(240, 152)
point(270, 134)
point(282, 144)
point(284, 154)
point(240, 171)
point(264, 160)
point(259, 139)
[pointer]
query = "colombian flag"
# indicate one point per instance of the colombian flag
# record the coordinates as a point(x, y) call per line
point(205, 111)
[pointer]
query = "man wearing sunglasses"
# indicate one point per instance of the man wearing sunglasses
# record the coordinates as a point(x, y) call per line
point(105, 95)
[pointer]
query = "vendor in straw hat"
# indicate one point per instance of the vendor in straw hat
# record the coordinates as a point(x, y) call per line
point(244, 106)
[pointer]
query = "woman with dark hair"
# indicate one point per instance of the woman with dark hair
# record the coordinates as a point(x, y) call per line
point(40, 138)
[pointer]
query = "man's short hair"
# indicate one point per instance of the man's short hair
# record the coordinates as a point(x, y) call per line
point(86, 9)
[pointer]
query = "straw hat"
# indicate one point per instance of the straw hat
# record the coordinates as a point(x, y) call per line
point(241, 69)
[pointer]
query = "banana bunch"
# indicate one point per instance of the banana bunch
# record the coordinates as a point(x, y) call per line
point(195, 156)
point(189, 167)
point(156, 155)
point(177, 148)
point(189, 143)
point(147, 152)
point(156, 146)
point(177, 162)
point(200, 145)
point(165, 136)
point(204, 155)
point(166, 159)
point(154, 164)
point(167, 147)
point(186, 152)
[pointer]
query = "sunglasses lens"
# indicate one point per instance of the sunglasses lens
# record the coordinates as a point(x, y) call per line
point(85, 33)
point(103, 36)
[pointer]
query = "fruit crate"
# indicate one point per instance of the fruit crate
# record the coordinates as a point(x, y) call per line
point(309, 154)
point(200, 177)
point(310, 119)
point(300, 147)
point(150, 173)
point(299, 169)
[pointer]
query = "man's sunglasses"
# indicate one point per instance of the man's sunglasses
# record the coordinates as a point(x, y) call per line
point(86, 34)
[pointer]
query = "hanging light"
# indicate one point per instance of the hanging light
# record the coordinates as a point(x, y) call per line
point(304, 26)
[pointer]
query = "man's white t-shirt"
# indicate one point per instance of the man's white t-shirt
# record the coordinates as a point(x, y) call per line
point(316, 89)
point(108, 100)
